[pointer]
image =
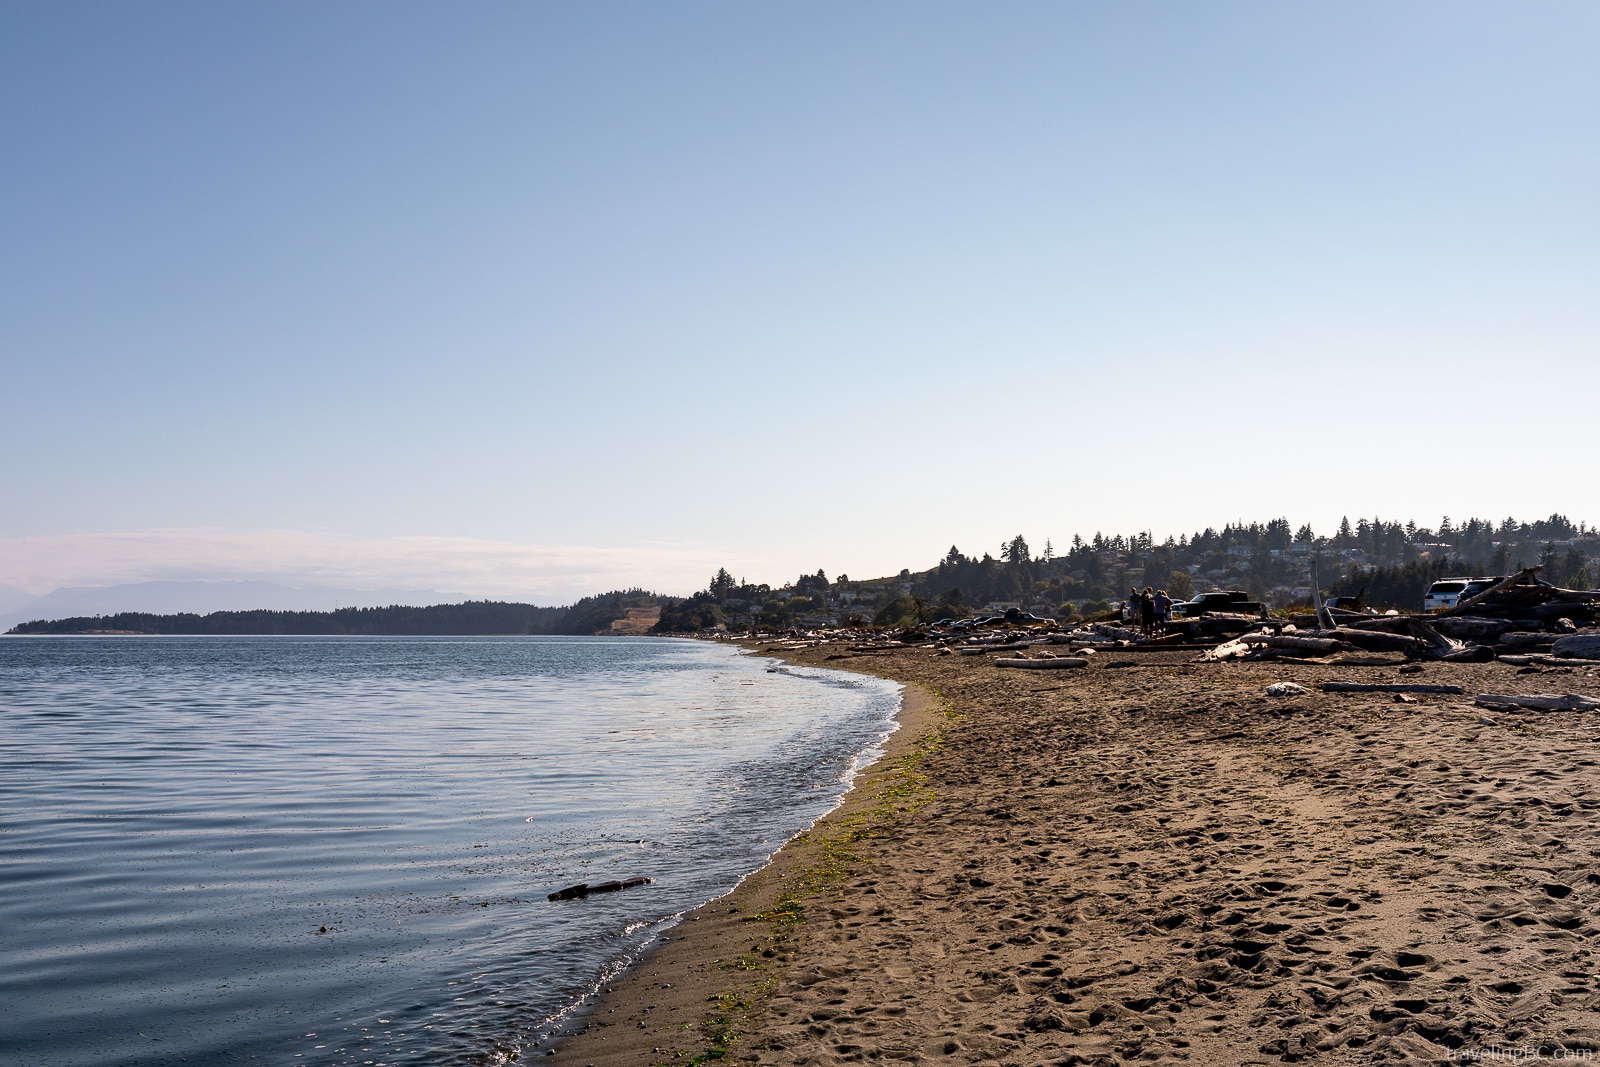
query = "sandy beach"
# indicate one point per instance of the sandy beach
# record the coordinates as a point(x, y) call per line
point(1160, 862)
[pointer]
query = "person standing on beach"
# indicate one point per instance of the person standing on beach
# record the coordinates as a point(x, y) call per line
point(1163, 611)
point(1147, 611)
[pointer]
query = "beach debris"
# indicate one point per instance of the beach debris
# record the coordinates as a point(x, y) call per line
point(1043, 664)
point(1389, 687)
point(1538, 702)
point(1484, 720)
point(1286, 689)
point(1524, 596)
point(1229, 650)
point(1320, 646)
point(1404, 698)
point(584, 889)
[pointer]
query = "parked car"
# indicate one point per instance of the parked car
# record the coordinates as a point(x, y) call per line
point(1018, 615)
point(1230, 601)
point(1448, 592)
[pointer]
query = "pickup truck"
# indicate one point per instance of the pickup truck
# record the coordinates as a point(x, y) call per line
point(1236, 602)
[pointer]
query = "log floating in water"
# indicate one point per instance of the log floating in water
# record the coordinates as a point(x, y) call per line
point(583, 889)
point(1389, 687)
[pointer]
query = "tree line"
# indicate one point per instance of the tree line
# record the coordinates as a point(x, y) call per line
point(593, 614)
point(1392, 562)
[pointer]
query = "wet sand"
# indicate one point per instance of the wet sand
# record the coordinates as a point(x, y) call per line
point(1160, 863)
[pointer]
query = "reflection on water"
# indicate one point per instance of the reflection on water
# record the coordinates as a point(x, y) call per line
point(337, 850)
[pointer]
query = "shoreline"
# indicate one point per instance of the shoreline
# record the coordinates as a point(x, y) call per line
point(1158, 860)
point(720, 957)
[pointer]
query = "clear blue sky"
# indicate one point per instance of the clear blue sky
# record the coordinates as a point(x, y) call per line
point(618, 291)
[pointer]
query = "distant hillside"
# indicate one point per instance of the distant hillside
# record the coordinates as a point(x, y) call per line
point(473, 618)
point(201, 598)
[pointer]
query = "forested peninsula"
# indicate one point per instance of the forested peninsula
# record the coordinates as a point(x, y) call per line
point(594, 614)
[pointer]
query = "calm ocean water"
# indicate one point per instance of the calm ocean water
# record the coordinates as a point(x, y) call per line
point(337, 850)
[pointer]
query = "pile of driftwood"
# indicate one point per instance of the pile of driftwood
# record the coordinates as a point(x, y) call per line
point(1519, 620)
point(1371, 642)
point(1524, 599)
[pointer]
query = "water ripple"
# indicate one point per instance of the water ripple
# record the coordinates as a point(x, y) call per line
point(337, 850)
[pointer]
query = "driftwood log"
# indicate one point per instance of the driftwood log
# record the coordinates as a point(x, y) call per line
point(1390, 687)
point(1379, 641)
point(1471, 626)
point(1564, 702)
point(1517, 639)
point(1366, 661)
point(1054, 662)
point(1578, 646)
point(1537, 660)
point(584, 889)
point(1227, 650)
point(1324, 615)
point(1318, 646)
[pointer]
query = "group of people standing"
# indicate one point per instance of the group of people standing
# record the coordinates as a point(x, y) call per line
point(1153, 609)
